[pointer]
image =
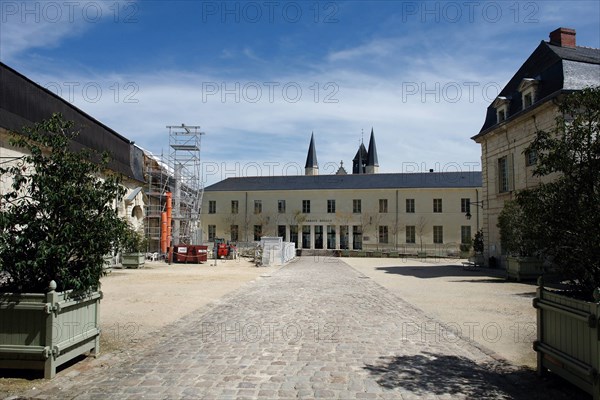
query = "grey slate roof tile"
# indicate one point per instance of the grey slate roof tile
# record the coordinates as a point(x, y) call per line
point(430, 180)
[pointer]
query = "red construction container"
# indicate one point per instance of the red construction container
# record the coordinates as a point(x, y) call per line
point(202, 253)
point(180, 253)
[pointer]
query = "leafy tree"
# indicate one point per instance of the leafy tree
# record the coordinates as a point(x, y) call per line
point(57, 217)
point(478, 245)
point(564, 215)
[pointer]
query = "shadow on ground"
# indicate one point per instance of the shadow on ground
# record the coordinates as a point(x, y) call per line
point(428, 373)
point(438, 271)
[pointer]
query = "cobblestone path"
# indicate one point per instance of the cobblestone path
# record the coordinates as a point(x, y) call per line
point(313, 329)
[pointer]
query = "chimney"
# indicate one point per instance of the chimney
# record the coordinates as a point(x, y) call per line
point(563, 37)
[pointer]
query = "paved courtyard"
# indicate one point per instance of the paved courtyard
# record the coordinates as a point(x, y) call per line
point(313, 329)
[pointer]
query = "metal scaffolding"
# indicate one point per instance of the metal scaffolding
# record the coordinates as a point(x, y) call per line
point(180, 174)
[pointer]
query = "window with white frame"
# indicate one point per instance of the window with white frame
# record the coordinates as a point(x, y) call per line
point(281, 206)
point(331, 206)
point(383, 205)
point(410, 205)
point(306, 206)
point(356, 206)
point(410, 234)
point(438, 234)
point(257, 206)
point(465, 205)
point(504, 174)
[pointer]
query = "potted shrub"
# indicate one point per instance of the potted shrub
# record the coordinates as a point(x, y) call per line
point(517, 237)
point(57, 221)
point(564, 220)
point(134, 246)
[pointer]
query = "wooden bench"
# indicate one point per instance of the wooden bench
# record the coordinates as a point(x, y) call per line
point(469, 265)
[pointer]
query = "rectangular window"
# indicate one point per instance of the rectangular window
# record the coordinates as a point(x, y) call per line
point(306, 206)
point(212, 207)
point(234, 233)
point(235, 206)
point(438, 234)
point(383, 205)
point(530, 158)
point(465, 206)
point(503, 175)
point(281, 206)
point(331, 206)
point(437, 205)
point(410, 234)
point(294, 234)
point(212, 233)
point(257, 206)
point(257, 232)
point(465, 234)
point(356, 206)
point(410, 205)
point(357, 237)
point(306, 237)
point(281, 232)
point(501, 115)
point(527, 100)
point(383, 234)
point(331, 236)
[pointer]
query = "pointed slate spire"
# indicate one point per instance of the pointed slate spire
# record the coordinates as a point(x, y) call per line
point(372, 161)
point(358, 163)
point(311, 167)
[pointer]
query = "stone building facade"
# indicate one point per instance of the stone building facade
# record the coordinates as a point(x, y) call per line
point(363, 210)
point(528, 103)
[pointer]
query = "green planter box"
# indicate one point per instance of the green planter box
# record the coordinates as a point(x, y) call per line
point(393, 254)
point(108, 261)
point(567, 339)
point(520, 268)
point(422, 254)
point(43, 331)
point(376, 253)
point(133, 260)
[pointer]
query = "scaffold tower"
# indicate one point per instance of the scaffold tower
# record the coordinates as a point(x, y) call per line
point(187, 189)
point(175, 179)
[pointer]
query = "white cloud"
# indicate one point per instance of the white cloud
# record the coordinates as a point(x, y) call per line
point(26, 25)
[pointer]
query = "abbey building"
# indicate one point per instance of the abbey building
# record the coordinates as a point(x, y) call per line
point(362, 210)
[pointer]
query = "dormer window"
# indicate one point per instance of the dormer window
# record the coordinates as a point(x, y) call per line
point(501, 105)
point(528, 88)
point(501, 115)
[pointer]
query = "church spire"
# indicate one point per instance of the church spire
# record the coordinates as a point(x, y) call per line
point(311, 167)
point(372, 159)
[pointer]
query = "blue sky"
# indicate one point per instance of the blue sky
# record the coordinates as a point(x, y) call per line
point(259, 77)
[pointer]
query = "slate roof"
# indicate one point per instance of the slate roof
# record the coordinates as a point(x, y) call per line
point(24, 102)
point(311, 158)
point(372, 160)
point(428, 180)
point(558, 69)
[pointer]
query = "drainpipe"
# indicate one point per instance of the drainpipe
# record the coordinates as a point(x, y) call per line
point(396, 226)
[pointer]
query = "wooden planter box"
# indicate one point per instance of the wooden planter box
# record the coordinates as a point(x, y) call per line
point(43, 331)
point(133, 260)
point(376, 253)
point(568, 341)
point(523, 268)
